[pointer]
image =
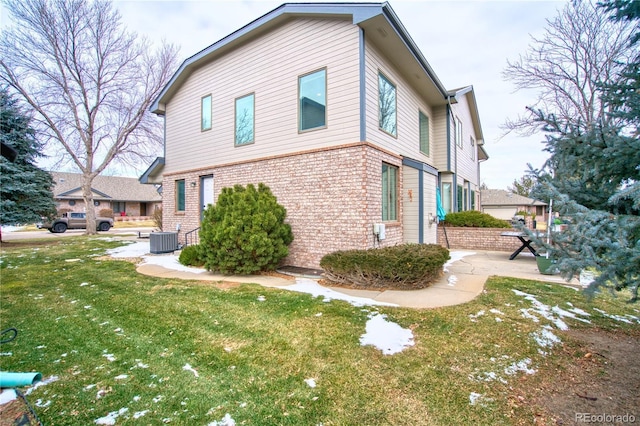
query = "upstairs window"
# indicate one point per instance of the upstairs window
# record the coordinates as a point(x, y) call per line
point(180, 196)
point(389, 192)
point(312, 100)
point(387, 105)
point(459, 132)
point(424, 133)
point(472, 142)
point(205, 113)
point(245, 120)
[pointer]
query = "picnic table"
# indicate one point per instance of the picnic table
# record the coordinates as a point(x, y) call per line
point(526, 243)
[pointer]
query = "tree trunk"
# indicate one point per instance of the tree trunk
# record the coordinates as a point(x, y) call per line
point(88, 202)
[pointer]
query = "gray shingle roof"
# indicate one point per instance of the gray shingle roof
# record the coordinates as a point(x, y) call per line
point(113, 188)
point(500, 197)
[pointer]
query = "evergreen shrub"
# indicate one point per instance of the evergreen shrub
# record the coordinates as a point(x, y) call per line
point(402, 267)
point(474, 219)
point(244, 232)
point(190, 256)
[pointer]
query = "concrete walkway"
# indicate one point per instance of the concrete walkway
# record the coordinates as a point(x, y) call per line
point(462, 281)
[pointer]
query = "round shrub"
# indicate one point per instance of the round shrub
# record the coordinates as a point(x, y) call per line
point(402, 267)
point(474, 219)
point(190, 256)
point(244, 232)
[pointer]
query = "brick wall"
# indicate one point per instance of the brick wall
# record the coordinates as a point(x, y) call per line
point(477, 239)
point(332, 197)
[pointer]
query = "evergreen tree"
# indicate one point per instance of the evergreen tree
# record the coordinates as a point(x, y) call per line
point(593, 178)
point(244, 232)
point(522, 186)
point(25, 190)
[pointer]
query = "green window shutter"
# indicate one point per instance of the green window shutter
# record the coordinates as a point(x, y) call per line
point(424, 133)
point(180, 196)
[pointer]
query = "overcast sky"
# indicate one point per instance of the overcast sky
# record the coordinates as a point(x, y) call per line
point(465, 42)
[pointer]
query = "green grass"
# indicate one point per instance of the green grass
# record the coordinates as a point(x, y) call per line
point(72, 307)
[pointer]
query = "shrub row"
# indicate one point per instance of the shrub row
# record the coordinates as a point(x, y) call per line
point(402, 267)
point(474, 219)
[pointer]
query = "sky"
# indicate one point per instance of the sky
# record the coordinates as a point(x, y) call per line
point(465, 42)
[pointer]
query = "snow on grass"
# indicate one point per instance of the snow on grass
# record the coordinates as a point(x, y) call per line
point(476, 398)
point(519, 366)
point(387, 336)
point(310, 382)
point(226, 421)
point(188, 367)
point(7, 396)
point(306, 285)
point(545, 338)
point(109, 357)
point(626, 319)
point(110, 419)
point(41, 383)
point(139, 414)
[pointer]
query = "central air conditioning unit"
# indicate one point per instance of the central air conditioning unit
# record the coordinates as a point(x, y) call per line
point(163, 242)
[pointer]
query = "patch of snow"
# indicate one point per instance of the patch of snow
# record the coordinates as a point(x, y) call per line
point(519, 366)
point(454, 257)
point(41, 404)
point(83, 284)
point(474, 397)
point(387, 336)
point(139, 414)
point(545, 338)
point(620, 318)
point(310, 382)
point(306, 285)
point(158, 398)
point(41, 383)
point(7, 395)
point(559, 311)
point(121, 377)
point(474, 317)
point(110, 419)
point(11, 228)
point(496, 311)
point(6, 353)
point(226, 421)
point(188, 367)
point(261, 298)
point(109, 357)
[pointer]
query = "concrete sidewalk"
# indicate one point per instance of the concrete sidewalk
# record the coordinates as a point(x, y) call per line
point(462, 281)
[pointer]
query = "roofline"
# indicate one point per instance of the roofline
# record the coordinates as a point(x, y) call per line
point(71, 191)
point(456, 94)
point(157, 163)
point(359, 12)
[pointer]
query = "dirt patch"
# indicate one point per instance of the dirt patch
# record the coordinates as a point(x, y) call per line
point(17, 413)
point(595, 381)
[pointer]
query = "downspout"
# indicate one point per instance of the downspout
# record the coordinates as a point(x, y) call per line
point(455, 156)
point(363, 89)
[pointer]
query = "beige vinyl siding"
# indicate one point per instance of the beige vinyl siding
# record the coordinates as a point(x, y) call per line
point(268, 66)
point(410, 205)
point(439, 132)
point(408, 103)
point(467, 168)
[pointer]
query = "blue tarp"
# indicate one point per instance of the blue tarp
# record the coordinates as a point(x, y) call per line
point(440, 210)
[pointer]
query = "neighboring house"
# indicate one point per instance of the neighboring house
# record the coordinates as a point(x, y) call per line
point(504, 204)
point(125, 196)
point(335, 108)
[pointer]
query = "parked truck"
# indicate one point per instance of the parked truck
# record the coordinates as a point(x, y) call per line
point(74, 220)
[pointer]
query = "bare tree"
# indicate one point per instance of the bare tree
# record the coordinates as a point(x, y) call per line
point(522, 186)
point(580, 50)
point(89, 81)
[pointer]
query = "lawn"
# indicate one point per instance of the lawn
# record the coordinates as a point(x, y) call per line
point(116, 347)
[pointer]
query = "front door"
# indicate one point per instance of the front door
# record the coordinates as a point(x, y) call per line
point(206, 193)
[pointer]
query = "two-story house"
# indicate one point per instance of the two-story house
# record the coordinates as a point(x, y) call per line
point(334, 107)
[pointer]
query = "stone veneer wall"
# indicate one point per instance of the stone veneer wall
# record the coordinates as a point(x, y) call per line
point(332, 196)
point(478, 239)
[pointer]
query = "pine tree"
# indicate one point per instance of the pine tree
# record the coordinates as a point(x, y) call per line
point(244, 232)
point(25, 190)
point(593, 177)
